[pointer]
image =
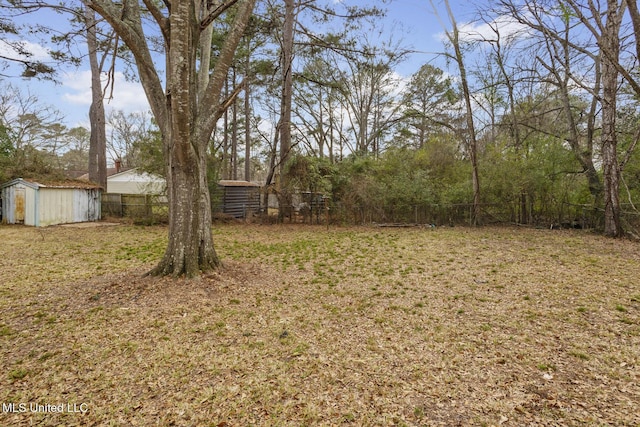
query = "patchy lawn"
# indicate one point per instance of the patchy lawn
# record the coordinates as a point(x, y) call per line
point(304, 326)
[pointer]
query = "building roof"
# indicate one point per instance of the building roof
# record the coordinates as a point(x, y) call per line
point(110, 171)
point(235, 183)
point(63, 183)
point(132, 174)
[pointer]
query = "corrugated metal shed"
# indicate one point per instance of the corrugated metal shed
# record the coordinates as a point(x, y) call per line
point(39, 204)
point(239, 198)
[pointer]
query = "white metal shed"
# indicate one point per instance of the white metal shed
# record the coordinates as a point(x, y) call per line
point(38, 204)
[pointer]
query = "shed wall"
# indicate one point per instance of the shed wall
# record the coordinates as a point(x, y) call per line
point(67, 205)
point(86, 205)
point(18, 204)
point(56, 206)
point(7, 206)
point(240, 201)
point(81, 202)
point(30, 205)
point(8, 214)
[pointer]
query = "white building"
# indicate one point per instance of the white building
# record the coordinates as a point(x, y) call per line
point(133, 181)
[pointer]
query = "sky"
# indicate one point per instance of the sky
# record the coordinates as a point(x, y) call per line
point(412, 21)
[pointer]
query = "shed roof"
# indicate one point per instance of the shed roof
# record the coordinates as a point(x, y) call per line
point(68, 183)
point(235, 183)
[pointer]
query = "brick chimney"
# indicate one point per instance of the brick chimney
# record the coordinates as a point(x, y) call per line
point(118, 163)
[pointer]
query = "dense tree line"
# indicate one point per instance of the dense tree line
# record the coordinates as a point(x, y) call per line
point(544, 118)
point(532, 116)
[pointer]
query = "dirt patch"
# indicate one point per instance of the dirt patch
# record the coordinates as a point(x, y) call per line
point(135, 287)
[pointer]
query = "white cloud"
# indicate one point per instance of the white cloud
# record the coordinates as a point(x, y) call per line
point(400, 83)
point(37, 52)
point(505, 26)
point(128, 96)
point(508, 28)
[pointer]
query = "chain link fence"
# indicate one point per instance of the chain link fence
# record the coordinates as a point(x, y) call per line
point(140, 208)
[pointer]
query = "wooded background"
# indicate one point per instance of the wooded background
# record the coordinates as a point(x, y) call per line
point(533, 120)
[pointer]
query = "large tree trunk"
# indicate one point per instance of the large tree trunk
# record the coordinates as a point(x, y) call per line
point(190, 249)
point(226, 164)
point(284, 198)
point(234, 132)
point(98, 138)
point(610, 44)
point(247, 129)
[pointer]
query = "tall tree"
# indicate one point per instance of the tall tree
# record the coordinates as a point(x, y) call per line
point(428, 97)
point(610, 44)
point(244, 74)
point(127, 134)
point(74, 160)
point(560, 59)
point(367, 88)
point(607, 35)
point(499, 80)
point(28, 121)
point(284, 125)
point(304, 42)
point(98, 142)
point(316, 101)
point(247, 116)
point(607, 69)
point(453, 37)
point(186, 116)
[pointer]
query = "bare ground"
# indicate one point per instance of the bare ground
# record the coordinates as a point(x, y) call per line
point(304, 326)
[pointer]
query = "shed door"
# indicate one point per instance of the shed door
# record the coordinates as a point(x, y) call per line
point(92, 208)
point(19, 199)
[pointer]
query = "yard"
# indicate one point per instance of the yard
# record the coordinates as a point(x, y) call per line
point(309, 326)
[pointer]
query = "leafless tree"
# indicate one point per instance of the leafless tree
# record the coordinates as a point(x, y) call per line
point(453, 37)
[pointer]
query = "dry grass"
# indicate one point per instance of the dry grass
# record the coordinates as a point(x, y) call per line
point(305, 326)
